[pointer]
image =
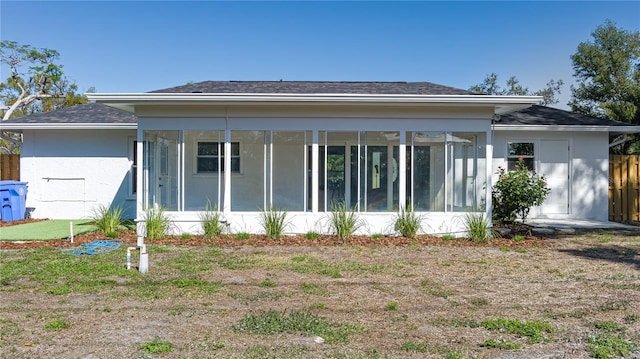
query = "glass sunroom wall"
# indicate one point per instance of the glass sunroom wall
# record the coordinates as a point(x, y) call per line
point(203, 170)
point(288, 170)
point(381, 171)
point(466, 171)
point(161, 169)
point(426, 170)
point(249, 182)
point(335, 169)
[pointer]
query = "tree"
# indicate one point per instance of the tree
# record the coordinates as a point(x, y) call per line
point(490, 87)
point(36, 84)
point(608, 73)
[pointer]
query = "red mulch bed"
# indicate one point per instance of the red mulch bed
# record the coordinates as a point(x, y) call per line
point(129, 237)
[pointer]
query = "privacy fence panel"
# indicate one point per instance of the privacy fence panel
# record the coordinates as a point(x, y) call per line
point(9, 167)
point(624, 192)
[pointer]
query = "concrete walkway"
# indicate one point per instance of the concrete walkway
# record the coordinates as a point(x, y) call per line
point(568, 226)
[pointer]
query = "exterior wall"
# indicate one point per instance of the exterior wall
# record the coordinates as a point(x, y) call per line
point(588, 169)
point(72, 172)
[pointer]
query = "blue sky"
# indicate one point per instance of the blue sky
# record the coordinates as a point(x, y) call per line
point(127, 46)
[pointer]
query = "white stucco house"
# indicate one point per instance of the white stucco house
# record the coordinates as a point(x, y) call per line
point(300, 146)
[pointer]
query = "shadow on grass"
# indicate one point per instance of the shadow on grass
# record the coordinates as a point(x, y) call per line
point(610, 253)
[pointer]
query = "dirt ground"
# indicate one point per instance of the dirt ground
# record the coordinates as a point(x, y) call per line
point(441, 290)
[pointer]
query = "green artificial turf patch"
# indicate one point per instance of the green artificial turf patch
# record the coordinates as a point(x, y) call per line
point(45, 230)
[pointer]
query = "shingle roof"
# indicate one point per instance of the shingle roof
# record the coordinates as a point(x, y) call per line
point(86, 113)
point(542, 115)
point(317, 87)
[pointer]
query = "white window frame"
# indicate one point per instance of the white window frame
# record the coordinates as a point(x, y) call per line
point(532, 157)
point(221, 145)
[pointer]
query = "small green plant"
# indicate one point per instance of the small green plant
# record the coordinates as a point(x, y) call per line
point(212, 225)
point(312, 235)
point(57, 325)
point(609, 326)
point(500, 344)
point(537, 331)
point(186, 235)
point(108, 219)
point(408, 223)
point(415, 347)
point(317, 306)
point(377, 236)
point(296, 321)
point(243, 235)
point(516, 191)
point(268, 283)
point(448, 237)
point(519, 238)
point(315, 289)
point(454, 355)
point(607, 346)
point(107, 310)
point(344, 221)
point(479, 302)
point(274, 222)
point(477, 227)
point(631, 318)
point(157, 223)
point(157, 346)
point(391, 306)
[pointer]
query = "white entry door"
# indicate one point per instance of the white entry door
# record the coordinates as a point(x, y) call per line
point(554, 165)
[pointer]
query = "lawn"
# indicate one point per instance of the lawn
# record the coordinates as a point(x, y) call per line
point(45, 230)
point(573, 297)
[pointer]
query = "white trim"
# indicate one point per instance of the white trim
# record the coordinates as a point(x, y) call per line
point(571, 128)
point(127, 101)
point(68, 126)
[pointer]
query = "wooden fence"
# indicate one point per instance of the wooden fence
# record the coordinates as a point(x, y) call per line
point(624, 189)
point(10, 167)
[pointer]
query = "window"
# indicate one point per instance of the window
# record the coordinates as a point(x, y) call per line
point(133, 171)
point(209, 153)
point(517, 150)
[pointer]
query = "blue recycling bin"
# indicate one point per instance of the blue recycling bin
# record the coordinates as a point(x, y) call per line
point(13, 197)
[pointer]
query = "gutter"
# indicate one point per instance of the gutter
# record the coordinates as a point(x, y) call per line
point(619, 142)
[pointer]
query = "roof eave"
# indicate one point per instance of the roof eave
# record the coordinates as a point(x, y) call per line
point(127, 101)
point(68, 126)
point(570, 128)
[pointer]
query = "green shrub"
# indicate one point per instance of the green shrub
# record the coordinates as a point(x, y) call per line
point(344, 221)
point(274, 222)
point(108, 219)
point(408, 223)
point(516, 191)
point(448, 237)
point(157, 223)
point(477, 227)
point(212, 225)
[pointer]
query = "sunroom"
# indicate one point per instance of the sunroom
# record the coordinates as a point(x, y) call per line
point(242, 154)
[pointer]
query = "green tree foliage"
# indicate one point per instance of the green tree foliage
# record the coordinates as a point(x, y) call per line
point(607, 70)
point(490, 87)
point(516, 192)
point(36, 84)
point(608, 73)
